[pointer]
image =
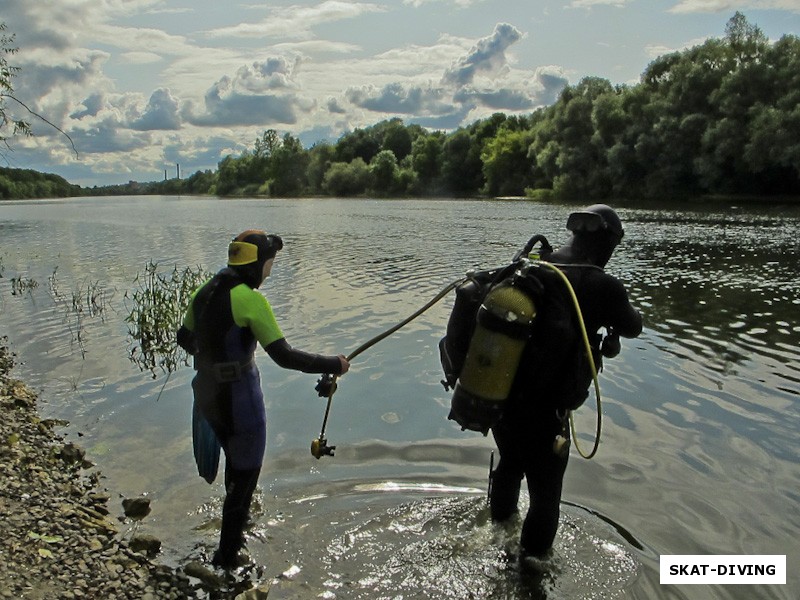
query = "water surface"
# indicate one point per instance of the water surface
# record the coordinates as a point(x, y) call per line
point(699, 452)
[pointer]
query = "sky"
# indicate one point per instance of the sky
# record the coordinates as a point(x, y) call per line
point(142, 86)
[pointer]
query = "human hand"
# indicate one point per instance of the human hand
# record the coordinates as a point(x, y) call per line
point(610, 346)
point(345, 364)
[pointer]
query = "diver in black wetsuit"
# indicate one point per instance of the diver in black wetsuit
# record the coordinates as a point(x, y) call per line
point(536, 411)
point(226, 320)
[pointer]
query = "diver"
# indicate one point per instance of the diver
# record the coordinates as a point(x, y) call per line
point(226, 319)
point(538, 407)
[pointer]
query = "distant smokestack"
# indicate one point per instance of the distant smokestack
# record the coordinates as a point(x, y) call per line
point(178, 170)
point(165, 174)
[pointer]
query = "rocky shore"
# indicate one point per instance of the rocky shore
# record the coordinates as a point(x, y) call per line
point(58, 535)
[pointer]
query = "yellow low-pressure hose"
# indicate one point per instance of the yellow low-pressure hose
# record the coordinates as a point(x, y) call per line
point(589, 356)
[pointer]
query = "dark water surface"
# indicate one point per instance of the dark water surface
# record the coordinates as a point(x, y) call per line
point(699, 452)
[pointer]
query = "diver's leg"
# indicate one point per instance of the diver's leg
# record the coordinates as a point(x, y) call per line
point(545, 480)
point(239, 488)
point(507, 477)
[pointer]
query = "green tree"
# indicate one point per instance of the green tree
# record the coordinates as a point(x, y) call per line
point(320, 157)
point(385, 173)
point(462, 168)
point(505, 163)
point(361, 143)
point(347, 179)
point(397, 138)
point(287, 170)
point(746, 40)
point(426, 159)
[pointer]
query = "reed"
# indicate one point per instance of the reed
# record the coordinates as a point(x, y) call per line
point(156, 310)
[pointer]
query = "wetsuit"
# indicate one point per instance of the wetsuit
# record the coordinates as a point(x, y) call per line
point(535, 411)
point(225, 322)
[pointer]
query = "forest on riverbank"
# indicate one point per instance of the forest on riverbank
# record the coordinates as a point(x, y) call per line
point(719, 118)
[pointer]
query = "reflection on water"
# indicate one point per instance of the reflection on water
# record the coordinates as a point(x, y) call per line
point(701, 416)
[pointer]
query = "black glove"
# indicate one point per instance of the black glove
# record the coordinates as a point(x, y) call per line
point(610, 346)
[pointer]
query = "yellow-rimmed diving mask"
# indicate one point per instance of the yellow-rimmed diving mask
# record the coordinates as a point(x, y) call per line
point(251, 247)
point(242, 253)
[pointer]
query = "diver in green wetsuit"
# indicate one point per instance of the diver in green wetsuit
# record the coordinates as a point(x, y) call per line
point(225, 322)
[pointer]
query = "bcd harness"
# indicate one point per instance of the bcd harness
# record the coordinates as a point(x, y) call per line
point(513, 330)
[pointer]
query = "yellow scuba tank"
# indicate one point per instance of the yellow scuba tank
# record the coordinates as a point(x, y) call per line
point(503, 325)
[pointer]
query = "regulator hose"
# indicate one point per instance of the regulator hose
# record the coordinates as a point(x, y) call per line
point(319, 446)
point(590, 358)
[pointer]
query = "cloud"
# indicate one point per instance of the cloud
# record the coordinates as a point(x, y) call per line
point(591, 3)
point(91, 106)
point(297, 21)
point(656, 50)
point(540, 89)
point(262, 93)
point(549, 81)
point(715, 6)
point(333, 106)
point(502, 99)
point(462, 3)
point(107, 137)
point(162, 112)
point(54, 85)
point(396, 98)
point(274, 73)
point(487, 56)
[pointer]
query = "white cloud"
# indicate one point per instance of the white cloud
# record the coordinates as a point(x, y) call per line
point(715, 6)
point(396, 98)
point(487, 56)
point(162, 112)
point(462, 3)
point(656, 50)
point(262, 93)
point(591, 3)
point(297, 21)
point(140, 58)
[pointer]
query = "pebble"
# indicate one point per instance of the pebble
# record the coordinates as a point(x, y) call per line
point(47, 493)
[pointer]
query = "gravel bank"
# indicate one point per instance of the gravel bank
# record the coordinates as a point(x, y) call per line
point(58, 536)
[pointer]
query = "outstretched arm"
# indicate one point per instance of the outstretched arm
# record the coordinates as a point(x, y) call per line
point(290, 358)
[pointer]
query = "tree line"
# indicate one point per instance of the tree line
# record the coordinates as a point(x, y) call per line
point(27, 183)
point(718, 118)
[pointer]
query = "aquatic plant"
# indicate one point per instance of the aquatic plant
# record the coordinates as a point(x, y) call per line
point(20, 285)
point(157, 308)
point(88, 299)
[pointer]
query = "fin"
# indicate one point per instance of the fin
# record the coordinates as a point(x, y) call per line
point(206, 447)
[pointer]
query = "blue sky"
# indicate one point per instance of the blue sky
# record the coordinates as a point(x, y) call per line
point(144, 85)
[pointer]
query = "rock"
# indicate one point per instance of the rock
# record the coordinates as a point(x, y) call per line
point(136, 508)
point(44, 492)
point(260, 592)
point(204, 574)
point(148, 544)
point(70, 453)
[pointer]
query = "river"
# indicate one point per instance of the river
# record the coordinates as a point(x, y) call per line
point(701, 413)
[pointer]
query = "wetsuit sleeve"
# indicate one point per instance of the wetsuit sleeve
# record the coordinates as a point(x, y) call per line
point(252, 310)
point(289, 358)
point(622, 317)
